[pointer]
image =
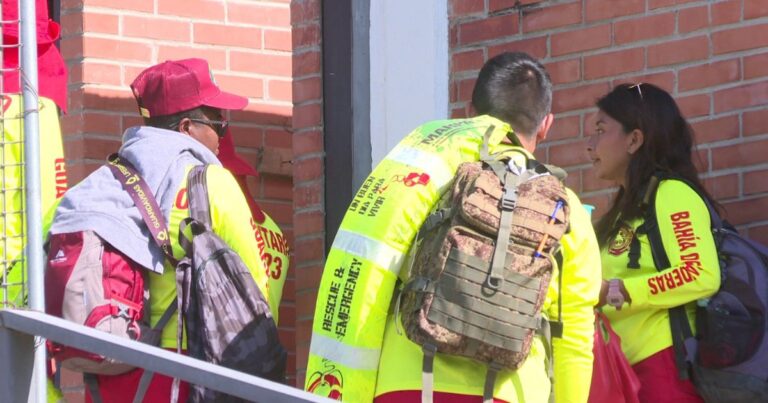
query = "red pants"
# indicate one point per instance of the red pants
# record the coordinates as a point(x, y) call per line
point(659, 381)
point(122, 388)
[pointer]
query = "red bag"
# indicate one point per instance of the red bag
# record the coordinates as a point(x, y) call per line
point(613, 379)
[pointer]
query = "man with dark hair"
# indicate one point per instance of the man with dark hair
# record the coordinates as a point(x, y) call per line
point(360, 349)
point(182, 108)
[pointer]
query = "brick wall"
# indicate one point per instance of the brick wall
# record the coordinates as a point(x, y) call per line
point(265, 50)
point(711, 55)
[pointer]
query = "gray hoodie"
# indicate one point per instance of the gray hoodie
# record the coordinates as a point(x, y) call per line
point(100, 204)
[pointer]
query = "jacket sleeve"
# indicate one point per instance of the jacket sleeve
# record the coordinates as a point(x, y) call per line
point(231, 218)
point(581, 281)
point(694, 272)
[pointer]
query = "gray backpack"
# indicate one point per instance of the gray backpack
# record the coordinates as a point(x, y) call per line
point(728, 357)
point(482, 266)
point(226, 317)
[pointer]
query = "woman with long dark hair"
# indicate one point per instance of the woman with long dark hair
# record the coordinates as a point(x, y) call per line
point(639, 132)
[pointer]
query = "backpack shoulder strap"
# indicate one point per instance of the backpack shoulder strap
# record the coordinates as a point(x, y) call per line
point(145, 202)
point(197, 194)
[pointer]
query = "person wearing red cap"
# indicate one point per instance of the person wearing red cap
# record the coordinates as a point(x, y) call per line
point(182, 109)
point(273, 246)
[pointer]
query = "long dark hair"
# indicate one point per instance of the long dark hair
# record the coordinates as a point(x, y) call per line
point(667, 147)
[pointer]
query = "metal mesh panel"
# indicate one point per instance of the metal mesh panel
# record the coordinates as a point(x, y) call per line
point(13, 279)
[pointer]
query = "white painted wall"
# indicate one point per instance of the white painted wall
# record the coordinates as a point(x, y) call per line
point(409, 69)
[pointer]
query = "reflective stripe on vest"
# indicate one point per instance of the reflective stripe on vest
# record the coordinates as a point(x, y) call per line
point(370, 249)
point(360, 358)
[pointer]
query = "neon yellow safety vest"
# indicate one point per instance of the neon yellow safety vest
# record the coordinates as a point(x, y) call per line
point(356, 352)
point(274, 251)
point(53, 177)
point(230, 218)
point(685, 228)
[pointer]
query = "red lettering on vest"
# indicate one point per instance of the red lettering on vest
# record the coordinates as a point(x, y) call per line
point(6, 102)
point(181, 199)
point(684, 234)
point(60, 178)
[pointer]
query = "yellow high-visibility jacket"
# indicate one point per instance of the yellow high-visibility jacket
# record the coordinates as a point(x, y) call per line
point(230, 217)
point(356, 352)
point(274, 251)
point(685, 227)
point(53, 184)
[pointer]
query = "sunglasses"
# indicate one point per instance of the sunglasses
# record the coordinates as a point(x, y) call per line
point(639, 91)
point(219, 126)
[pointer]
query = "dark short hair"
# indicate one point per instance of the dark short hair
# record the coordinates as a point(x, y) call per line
point(171, 122)
point(515, 88)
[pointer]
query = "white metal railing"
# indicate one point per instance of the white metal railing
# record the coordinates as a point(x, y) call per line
point(18, 329)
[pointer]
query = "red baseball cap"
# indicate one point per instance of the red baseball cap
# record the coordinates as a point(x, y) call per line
point(180, 85)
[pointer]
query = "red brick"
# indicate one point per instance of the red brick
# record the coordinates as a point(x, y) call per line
point(664, 80)
point(306, 195)
point(564, 71)
point(157, 28)
point(554, 16)
point(309, 249)
point(701, 160)
point(756, 182)
point(759, 234)
point(460, 113)
point(564, 128)
point(307, 115)
point(723, 187)
point(694, 105)
point(278, 40)
point(495, 6)
point(568, 154)
point(590, 182)
point(755, 66)
point(488, 29)
point(269, 64)
point(708, 75)
point(309, 222)
point(198, 9)
point(739, 155)
point(306, 63)
point(93, 148)
point(679, 51)
point(72, 24)
point(122, 5)
point(278, 187)
point(755, 9)
point(536, 47)
point(307, 142)
point(307, 89)
point(643, 28)
point(471, 60)
point(308, 278)
point(716, 129)
point(70, 379)
point(263, 15)
point(741, 38)
point(693, 19)
point(726, 12)
point(97, 73)
point(90, 22)
point(217, 58)
point(246, 86)
point(465, 88)
point(755, 122)
point(227, 35)
point(306, 37)
point(608, 9)
point(304, 11)
point(279, 211)
point(741, 97)
point(582, 97)
point(280, 90)
point(265, 114)
point(305, 301)
point(116, 49)
point(654, 4)
point(78, 171)
point(747, 211)
point(307, 169)
point(581, 40)
point(461, 8)
point(613, 63)
point(75, 396)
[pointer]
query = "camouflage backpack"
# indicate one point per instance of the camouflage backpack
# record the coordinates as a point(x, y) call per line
point(226, 316)
point(482, 263)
